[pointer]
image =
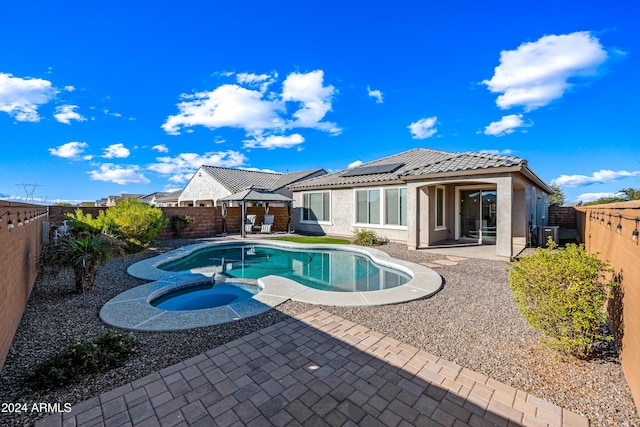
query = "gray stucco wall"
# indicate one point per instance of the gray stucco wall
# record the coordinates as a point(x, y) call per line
point(343, 218)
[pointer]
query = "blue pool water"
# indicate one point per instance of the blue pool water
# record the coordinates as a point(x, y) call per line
point(200, 296)
point(334, 270)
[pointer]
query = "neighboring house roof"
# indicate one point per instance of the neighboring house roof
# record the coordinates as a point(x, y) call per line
point(414, 163)
point(256, 195)
point(236, 180)
point(150, 197)
point(169, 197)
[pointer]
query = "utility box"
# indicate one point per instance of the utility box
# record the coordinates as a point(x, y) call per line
point(545, 232)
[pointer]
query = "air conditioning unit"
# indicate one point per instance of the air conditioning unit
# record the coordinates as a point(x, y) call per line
point(544, 232)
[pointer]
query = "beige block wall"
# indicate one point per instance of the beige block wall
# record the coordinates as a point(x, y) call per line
point(623, 253)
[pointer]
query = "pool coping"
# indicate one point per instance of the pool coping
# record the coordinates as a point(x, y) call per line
point(131, 309)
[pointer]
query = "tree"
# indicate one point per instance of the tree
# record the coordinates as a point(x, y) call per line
point(624, 195)
point(631, 193)
point(558, 198)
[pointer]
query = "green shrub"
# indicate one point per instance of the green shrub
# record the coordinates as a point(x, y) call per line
point(81, 358)
point(179, 223)
point(366, 238)
point(561, 293)
point(133, 221)
point(85, 222)
point(84, 254)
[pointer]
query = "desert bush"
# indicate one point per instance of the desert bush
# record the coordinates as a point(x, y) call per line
point(79, 221)
point(133, 221)
point(81, 358)
point(561, 293)
point(179, 223)
point(366, 238)
point(84, 252)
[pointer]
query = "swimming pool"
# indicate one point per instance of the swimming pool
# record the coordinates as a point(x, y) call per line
point(133, 309)
point(328, 270)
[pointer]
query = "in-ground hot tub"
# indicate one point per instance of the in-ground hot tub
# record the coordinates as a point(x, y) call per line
point(200, 296)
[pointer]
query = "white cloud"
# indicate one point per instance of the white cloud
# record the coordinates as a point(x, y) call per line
point(183, 166)
point(354, 164)
point(423, 128)
point(20, 97)
point(505, 152)
point(600, 176)
point(259, 170)
point(303, 103)
point(161, 148)
point(109, 113)
point(309, 90)
point(116, 151)
point(261, 80)
point(375, 94)
point(506, 125)
point(120, 175)
point(226, 106)
point(537, 73)
point(65, 113)
point(71, 151)
point(590, 197)
point(69, 88)
point(274, 141)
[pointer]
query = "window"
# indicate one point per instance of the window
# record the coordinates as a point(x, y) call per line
point(440, 208)
point(368, 206)
point(395, 206)
point(316, 206)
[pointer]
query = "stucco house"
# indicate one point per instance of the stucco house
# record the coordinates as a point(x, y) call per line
point(428, 198)
point(211, 183)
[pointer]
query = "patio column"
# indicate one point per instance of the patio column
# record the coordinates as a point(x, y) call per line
point(244, 220)
point(413, 216)
point(504, 243)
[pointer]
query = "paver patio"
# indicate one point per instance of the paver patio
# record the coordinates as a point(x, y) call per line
point(315, 369)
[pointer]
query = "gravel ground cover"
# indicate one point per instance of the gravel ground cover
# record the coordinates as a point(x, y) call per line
point(472, 321)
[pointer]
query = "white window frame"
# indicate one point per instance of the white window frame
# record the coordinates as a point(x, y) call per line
point(313, 221)
point(383, 213)
point(443, 226)
point(384, 205)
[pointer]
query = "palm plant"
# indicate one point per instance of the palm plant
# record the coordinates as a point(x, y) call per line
point(84, 254)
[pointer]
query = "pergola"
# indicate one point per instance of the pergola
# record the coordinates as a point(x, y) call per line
point(255, 195)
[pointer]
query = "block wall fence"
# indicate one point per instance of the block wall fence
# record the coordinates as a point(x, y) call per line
point(19, 254)
point(598, 229)
point(563, 216)
point(20, 248)
point(207, 221)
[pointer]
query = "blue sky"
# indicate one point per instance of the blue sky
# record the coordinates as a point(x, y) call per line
point(104, 98)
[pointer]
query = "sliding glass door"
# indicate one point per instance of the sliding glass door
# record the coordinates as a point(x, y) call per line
point(478, 215)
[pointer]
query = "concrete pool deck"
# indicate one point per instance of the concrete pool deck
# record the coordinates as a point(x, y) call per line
point(132, 310)
point(315, 369)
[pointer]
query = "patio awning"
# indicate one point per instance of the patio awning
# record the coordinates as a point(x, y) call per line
point(257, 195)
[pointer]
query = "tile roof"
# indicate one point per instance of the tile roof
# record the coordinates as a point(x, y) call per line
point(236, 180)
point(169, 197)
point(149, 197)
point(418, 161)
